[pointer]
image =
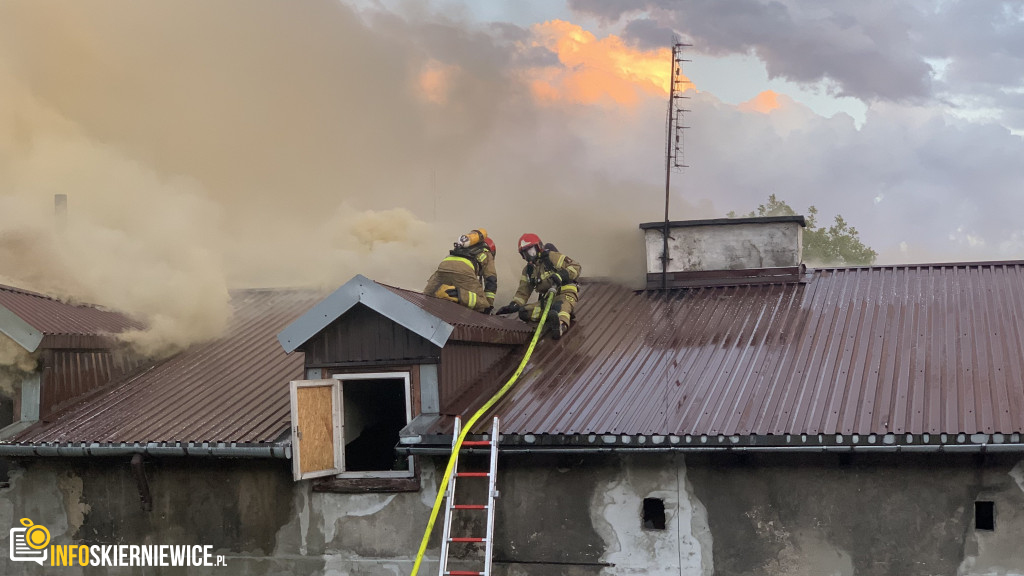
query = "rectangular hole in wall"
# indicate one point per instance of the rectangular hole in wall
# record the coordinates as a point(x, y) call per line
point(984, 515)
point(654, 513)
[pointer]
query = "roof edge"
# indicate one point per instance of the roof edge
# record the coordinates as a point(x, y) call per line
point(871, 442)
point(362, 290)
point(209, 449)
point(725, 221)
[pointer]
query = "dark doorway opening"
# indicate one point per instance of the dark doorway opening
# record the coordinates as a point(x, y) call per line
point(375, 413)
point(654, 513)
point(984, 515)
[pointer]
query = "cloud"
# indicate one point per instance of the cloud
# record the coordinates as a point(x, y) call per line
point(764, 103)
point(591, 70)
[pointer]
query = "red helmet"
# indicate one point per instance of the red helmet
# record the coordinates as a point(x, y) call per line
point(528, 240)
point(490, 246)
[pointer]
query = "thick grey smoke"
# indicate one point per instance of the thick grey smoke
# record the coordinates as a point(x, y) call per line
point(209, 145)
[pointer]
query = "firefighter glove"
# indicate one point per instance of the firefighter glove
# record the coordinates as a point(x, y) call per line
point(511, 308)
point(556, 279)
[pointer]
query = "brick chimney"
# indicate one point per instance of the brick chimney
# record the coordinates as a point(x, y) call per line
point(725, 251)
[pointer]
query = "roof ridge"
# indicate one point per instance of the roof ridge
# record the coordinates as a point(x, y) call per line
point(966, 264)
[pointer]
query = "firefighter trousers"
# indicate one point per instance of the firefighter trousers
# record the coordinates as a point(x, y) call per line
point(561, 308)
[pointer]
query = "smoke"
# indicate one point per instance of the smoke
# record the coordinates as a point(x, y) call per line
point(205, 146)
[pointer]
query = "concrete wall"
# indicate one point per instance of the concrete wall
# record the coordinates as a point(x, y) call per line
point(725, 515)
point(726, 246)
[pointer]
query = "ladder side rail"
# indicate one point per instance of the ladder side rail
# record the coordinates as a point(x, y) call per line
point(492, 493)
point(450, 496)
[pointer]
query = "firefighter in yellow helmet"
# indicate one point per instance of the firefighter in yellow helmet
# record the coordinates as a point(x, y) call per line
point(545, 269)
point(467, 276)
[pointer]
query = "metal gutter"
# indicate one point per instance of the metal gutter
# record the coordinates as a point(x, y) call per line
point(927, 448)
point(216, 450)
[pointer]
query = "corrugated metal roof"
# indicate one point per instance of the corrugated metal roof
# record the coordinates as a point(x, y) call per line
point(894, 349)
point(469, 325)
point(234, 389)
point(60, 322)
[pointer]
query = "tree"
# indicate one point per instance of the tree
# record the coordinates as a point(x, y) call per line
point(839, 244)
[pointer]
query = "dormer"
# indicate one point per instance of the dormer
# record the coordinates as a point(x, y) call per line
point(378, 360)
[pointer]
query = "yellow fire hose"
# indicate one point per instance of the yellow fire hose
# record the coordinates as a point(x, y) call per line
point(465, 430)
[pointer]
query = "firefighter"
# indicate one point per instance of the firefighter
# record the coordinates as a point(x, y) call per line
point(467, 276)
point(545, 269)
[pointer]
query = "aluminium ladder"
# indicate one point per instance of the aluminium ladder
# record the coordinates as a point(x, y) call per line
point(451, 506)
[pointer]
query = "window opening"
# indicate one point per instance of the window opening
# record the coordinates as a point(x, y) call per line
point(984, 515)
point(375, 413)
point(654, 513)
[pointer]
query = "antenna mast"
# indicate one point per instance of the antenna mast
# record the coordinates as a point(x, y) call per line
point(673, 137)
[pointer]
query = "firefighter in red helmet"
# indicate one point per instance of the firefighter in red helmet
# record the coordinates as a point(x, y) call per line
point(467, 276)
point(545, 269)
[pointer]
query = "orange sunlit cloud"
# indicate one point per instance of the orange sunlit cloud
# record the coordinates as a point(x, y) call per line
point(434, 80)
point(593, 70)
point(764, 103)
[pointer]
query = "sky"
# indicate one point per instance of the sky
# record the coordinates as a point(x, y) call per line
point(205, 146)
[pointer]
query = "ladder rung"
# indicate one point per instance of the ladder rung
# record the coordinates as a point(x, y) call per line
point(466, 539)
point(476, 443)
point(470, 507)
point(464, 573)
point(474, 474)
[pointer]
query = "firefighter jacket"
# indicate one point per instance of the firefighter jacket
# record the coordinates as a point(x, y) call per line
point(475, 262)
point(537, 276)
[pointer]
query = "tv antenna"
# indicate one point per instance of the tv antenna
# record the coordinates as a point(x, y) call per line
point(674, 127)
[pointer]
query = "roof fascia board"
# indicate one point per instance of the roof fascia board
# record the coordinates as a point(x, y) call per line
point(362, 290)
point(18, 330)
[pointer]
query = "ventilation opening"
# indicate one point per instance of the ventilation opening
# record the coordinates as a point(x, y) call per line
point(984, 515)
point(374, 415)
point(654, 513)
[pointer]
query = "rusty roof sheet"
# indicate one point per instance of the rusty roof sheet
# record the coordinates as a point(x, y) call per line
point(469, 325)
point(233, 389)
point(56, 322)
point(887, 349)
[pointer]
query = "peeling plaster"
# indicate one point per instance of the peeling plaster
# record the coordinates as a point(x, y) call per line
point(352, 505)
point(71, 487)
point(684, 547)
point(699, 546)
point(285, 541)
point(1017, 473)
point(806, 552)
point(429, 482)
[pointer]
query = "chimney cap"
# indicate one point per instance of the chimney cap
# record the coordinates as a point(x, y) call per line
point(719, 221)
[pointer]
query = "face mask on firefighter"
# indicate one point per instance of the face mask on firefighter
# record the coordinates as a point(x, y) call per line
point(530, 253)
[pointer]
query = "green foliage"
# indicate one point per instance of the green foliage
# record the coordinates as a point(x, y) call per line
point(839, 244)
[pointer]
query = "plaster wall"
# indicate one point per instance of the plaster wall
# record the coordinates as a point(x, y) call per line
point(580, 515)
point(726, 247)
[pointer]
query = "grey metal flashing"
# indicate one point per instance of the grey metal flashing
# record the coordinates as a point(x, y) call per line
point(207, 449)
point(30, 393)
point(720, 221)
point(430, 401)
point(362, 290)
point(412, 432)
point(18, 330)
